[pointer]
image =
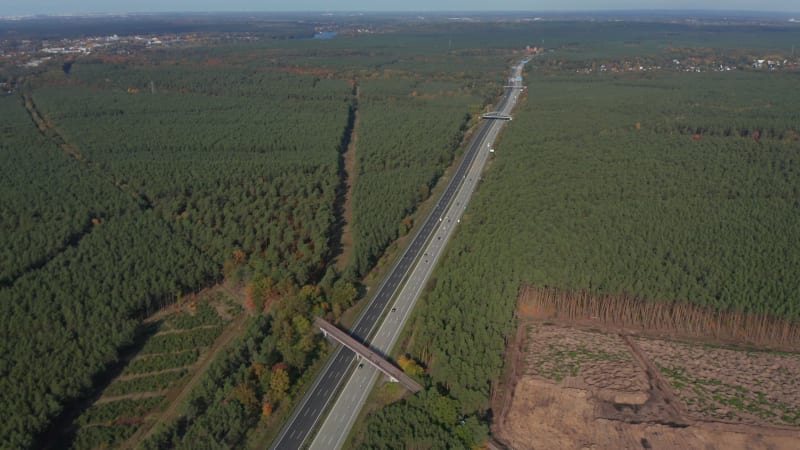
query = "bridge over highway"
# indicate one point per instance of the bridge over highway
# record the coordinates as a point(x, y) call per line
point(364, 352)
point(496, 115)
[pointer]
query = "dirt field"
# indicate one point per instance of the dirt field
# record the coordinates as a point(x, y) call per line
point(574, 388)
point(727, 385)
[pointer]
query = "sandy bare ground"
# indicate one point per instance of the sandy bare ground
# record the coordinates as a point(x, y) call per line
point(728, 385)
point(574, 388)
point(548, 416)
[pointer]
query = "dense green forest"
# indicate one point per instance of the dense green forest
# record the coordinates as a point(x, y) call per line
point(64, 321)
point(97, 236)
point(409, 133)
point(221, 166)
point(428, 420)
point(128, 200)
point(47, 202)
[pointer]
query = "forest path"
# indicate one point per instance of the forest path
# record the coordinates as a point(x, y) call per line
point(349, 157)
point(184, 330)
point(175, 400)
point(47, 129)
point(133, 376)
point(131, 396)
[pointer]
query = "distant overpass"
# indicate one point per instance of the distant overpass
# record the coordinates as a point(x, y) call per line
point(496, 116)
point(363, 352)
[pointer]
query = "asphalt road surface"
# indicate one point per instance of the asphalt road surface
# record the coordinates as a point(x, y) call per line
point(415, 265)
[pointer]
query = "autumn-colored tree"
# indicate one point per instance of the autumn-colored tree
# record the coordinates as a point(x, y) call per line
point(343, 295)
point(410, 366)
point(261, 292)
point(279, 384)
point(266, 409)
point(191, 301)
point(249, 302)
point(233, 268)
point(246, 395)
point(259, 370)
point(310, 292)
point(239, 257)
point(292, 327)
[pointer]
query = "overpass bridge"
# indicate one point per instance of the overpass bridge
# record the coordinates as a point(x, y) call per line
point(364, 352)
point(496, 116)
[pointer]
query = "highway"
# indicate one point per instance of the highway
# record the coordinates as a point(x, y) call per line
point(415, 265)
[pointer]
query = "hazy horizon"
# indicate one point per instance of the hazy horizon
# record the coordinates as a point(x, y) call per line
point(153, 6)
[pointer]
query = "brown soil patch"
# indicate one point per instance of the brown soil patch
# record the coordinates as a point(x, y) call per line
point(548, 416)
point(729, 385)
point(222, 310)
point(590, 388)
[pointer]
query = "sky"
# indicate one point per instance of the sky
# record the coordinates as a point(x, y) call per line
point(17, 7)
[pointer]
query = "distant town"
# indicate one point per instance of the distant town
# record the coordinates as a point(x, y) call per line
point(23, 53)
point(695, 65)
point(36, 53)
